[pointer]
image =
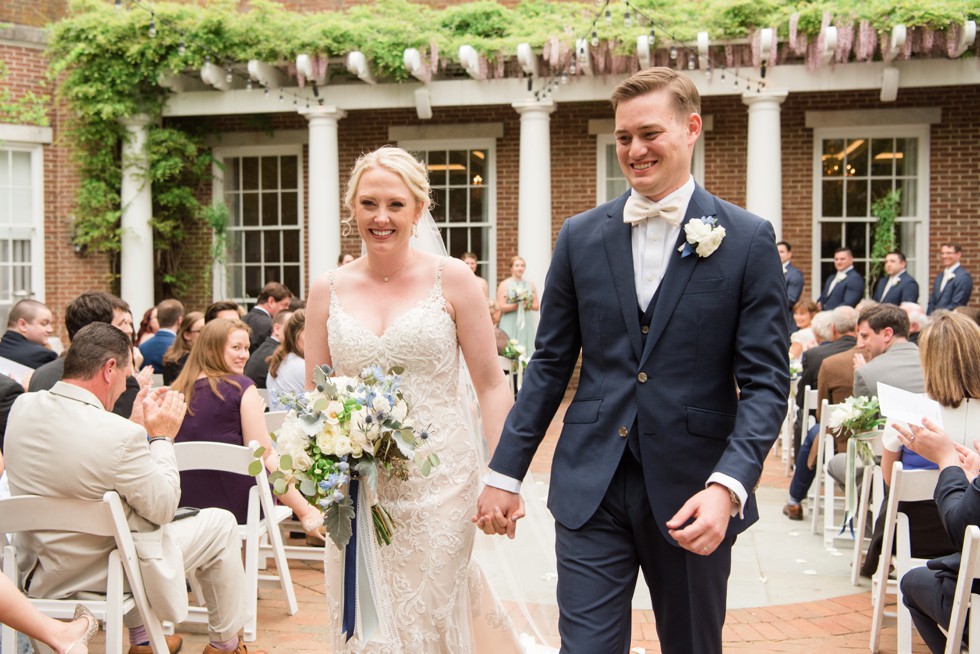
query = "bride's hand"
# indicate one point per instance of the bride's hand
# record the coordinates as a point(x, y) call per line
point(496, 521)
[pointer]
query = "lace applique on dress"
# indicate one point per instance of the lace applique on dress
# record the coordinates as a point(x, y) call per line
point(431, 597)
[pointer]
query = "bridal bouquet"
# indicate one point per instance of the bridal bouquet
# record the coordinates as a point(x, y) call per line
point(347, 427)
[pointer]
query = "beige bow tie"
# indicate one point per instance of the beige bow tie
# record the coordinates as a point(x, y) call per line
point(639, 208)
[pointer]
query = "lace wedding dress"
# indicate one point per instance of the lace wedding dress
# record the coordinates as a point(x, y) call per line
point(430, 596)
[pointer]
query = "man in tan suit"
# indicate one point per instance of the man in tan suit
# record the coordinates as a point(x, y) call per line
point(66, 443)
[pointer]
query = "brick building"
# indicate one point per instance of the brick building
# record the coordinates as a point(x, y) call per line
point(810, 152)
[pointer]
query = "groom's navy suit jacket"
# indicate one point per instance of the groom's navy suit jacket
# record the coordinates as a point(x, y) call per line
point(706, 387)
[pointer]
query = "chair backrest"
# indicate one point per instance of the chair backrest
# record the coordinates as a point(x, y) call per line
point(207, 455)
point(969, 569)
point(274, 420)
point(264, 394)
point(810, 399)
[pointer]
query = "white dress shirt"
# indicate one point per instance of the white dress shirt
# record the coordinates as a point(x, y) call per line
point(948, 274)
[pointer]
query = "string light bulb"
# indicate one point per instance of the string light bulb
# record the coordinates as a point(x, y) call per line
point(280, 96)
point(595, 39)
point(118, 5)
point(229, 76)
point(627, 19)
point(691, 63)
point(673, 53)
point(248, 85)
point(182, 49)
point(266, 92)
point(153, 26)
point(564, 78)
point(608, 16)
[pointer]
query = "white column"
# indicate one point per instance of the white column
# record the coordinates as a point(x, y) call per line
point(324, 190)
point(534, 188)
point(764, 170)
point(136, 241)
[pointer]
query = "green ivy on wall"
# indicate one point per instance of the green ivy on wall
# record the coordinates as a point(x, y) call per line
point(109, 67)
point(26, 109)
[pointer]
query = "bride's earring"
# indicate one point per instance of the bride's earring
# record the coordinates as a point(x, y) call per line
point(415, 230)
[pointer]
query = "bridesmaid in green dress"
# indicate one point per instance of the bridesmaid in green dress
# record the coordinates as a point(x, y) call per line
point(518, 300)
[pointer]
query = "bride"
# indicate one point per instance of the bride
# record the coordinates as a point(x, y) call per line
point(401, 306)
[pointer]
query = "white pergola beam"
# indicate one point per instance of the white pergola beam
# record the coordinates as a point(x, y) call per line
point(266, 75)
point(358, 65)
point(216, 76)
point(414, 65)
point(644, 44)
point(968, 35)
point(895, 43)
point(469, 59)
point(527, 59)
point(582, 58)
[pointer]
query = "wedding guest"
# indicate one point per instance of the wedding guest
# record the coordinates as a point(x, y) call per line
point(224, 407)
point(287, 369)
point(844, 287)
point(176, 356)
point(10, 390)
point(471, 260)
point(344, 259)
point(954, 285)
point(918, 320)
point(803, 338)
point(792, 275)
point(88, 308)
point(227, 309)
point(257, 367)
point(123, 320)
point(148, 326)
point(169, 314)
point(898, 286)
point(295, 304)
point(26, 338)
point(17, 612)
point(136, 459)
point(518, 301)
point(928, 590)
point(273, 298)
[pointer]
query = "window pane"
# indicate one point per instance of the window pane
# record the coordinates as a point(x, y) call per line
point(250, 173)
point(250, 209)
point(906, 156)
point(437, 167)
point(458, 175)
point(833, 198)
point(272, 274)
point(4, 167)
point(234, 203)
point(615, 188)
point(253, 246)
point(882, 156)
point(909, 198)
point(478, 245)
point(236, 248)
point(857, 158)
point(20, 169)
point(857, 198)
point(6, 213)
point(478, 205)
point(270, 173)
point(235, 281)
point(271, 243)
point(457, 242)
point(438, 205)
point(270, 209)
point(253, 281)
point(880, 188)
point(478, 167)
point(457, 206)
point(289, 172)
point(857, 238)
point(833, 157)
point(290, 248)
point(230, 174)
point(290, 277)
point(831, 237)
point(22, 207)
point(289, 209)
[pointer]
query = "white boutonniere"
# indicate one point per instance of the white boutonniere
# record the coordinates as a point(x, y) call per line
point(704, 235)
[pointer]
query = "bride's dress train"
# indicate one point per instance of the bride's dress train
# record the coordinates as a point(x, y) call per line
point(431, 596)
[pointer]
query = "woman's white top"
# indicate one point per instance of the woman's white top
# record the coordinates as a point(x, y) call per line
point(290, 378)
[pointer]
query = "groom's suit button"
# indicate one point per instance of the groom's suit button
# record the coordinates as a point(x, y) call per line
point(624, 432)
point(645, 329)
point(642, 377)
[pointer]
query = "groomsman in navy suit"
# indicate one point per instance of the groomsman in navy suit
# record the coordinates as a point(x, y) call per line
point(898, 286)
point(792, 275)
point(846, 286)
point(682, 333)
point(954, 285)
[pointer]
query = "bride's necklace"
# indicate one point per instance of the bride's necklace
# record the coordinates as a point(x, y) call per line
point(389, 276)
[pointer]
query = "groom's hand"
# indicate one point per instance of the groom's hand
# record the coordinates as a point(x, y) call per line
point(497, 511)
point(711, 509)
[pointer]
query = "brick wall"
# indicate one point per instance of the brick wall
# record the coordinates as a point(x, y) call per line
point(36, 13)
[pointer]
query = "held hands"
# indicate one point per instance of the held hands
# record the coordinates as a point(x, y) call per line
point(163, 411)
point(711, 510)
point(498, 511)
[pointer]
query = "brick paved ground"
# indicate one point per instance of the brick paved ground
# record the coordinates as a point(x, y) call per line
point(835, 625)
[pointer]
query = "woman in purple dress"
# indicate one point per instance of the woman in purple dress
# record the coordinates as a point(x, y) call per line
point(223, 406)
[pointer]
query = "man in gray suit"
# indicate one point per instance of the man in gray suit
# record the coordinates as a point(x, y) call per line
point(66, 443)
point(883, 330)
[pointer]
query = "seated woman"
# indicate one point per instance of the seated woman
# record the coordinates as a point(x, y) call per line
point(176, 356)
point(949, 349)
point(803, 338)
point(224, 407)
point(287, 369)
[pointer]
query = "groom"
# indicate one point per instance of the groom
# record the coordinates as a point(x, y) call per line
point(682, 392)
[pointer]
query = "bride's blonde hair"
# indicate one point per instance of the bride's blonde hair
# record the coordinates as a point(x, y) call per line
point(396, 160)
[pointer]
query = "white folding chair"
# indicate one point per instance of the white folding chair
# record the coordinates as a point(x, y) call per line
point(203, 455)
point(107, 519)
point(965, 599)
point(906, 486)
point(264, 394)
point(817, 490)
point(871, 496)
point(274, 420)
point(810, 399)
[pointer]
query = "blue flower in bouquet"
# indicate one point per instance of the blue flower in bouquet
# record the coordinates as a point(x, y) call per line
point(348, 427)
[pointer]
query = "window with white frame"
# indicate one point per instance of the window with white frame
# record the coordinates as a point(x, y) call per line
point(461, 175)
point(21, 224)
point(262, 189)
point(610, 182)
point(854, 167)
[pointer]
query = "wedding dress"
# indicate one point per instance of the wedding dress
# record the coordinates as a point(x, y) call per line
point(431, 596)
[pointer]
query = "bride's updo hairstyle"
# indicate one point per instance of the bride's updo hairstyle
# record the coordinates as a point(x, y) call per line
point(396, 160)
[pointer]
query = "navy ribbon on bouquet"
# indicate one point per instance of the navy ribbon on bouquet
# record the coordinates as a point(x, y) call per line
point(350, 570)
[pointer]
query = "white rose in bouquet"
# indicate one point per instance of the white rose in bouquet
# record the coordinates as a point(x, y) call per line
point(399, 411)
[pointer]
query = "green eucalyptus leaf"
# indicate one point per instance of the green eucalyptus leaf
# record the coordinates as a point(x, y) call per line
point(307, 487)
point(259, 452)
point(279, 487)
point(255, 468)
point(286, 461)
